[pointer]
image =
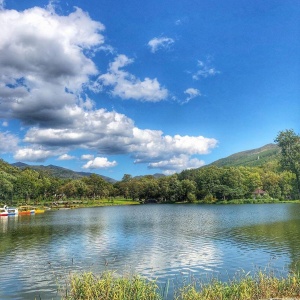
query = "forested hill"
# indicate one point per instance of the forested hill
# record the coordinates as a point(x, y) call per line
point(250, 158)
point(59, 172)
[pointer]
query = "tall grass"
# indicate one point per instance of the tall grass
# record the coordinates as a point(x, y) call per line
point(109, 287)
point(259, 286)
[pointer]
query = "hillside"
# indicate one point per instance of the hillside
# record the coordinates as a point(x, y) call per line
point(59, 172)
point(251, 158)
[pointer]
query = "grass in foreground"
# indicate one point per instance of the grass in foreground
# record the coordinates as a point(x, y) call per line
point(108, 287)
point(259, 286)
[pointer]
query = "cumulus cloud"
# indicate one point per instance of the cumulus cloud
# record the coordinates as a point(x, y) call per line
point(127, 86)
point(160, 43)
point(177, 164)
point(44, 62)
point(114, 133)
point(8, 142)
point(46, 68)
point(87, 157)
point(205, 70)
point(99, 163)
point(192, 93)
point(66, 157)
point(35, 154)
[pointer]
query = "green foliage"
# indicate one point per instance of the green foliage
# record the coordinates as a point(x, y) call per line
point(250, 158)
point(289, 142)
point(207, 184)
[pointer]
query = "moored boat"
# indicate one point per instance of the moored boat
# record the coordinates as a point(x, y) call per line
point(12, 211)
point(3, 212)
point(26, 210)
point(39, 210)
point(8, 211)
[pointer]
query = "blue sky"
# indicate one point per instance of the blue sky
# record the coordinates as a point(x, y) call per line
point(144, 87)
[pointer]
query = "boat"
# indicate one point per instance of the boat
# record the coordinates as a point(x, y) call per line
point(3, 212)
point(26, 210)
point(12, 211)
point(8, 211)
point(39, 210)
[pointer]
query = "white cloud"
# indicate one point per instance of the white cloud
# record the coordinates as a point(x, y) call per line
point(113, 133)
point(34, 155)
point(8, 142)
point(99, 163)
point(177, 164)
point(2, 4)
point(45, 69)
point(4, 124)
point(160, 43)
point(44, 62)
point(66, 157)
point(127, 86)
point(205, 70)
point(192, 93)
point(87, 157)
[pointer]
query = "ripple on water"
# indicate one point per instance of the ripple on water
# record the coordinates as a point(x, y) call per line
point(167, 242)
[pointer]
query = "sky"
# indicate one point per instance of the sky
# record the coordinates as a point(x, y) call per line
point(143, 87)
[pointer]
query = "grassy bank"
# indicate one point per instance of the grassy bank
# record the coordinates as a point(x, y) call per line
point(108, 287)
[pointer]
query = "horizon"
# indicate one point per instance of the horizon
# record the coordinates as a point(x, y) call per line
point(69, 169)
point(142, 88)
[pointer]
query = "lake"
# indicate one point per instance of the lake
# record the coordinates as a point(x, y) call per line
point(168, 242)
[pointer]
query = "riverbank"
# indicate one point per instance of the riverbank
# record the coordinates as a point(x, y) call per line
point(107, 286)
point(119, 201)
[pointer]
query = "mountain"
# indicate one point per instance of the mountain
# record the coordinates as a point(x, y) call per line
point(250, 158)
point(60, 172)
point(156, 175)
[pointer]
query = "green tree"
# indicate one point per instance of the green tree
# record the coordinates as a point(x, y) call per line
point(289, 142)
point(188, 188)
point(6, 185)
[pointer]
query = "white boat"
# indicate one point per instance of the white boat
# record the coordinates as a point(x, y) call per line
point(12, 211)
point(8, 211)
point(3, 212)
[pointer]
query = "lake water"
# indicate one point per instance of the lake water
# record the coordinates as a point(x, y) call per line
point(168, 242)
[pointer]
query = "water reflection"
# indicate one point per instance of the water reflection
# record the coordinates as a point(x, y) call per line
point(160, 241)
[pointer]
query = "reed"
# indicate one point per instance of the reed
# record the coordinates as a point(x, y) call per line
point(108, 286)
point(256, 287)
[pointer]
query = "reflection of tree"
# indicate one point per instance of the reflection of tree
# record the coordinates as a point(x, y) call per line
point(27, 232)
point(282, 236)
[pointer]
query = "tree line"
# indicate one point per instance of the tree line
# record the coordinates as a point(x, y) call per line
point(278, 179)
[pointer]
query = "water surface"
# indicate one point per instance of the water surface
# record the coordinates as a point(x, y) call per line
point(167, 242)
